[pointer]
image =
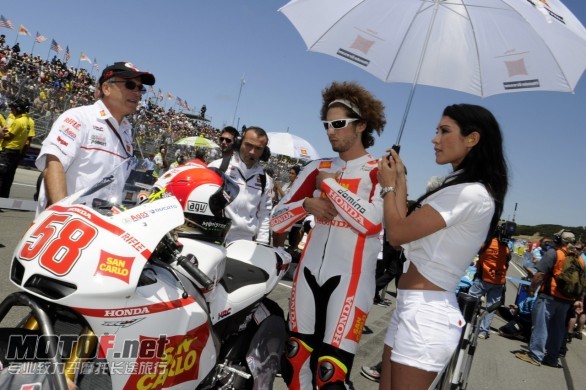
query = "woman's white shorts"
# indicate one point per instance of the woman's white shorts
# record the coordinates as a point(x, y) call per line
point(424, 329)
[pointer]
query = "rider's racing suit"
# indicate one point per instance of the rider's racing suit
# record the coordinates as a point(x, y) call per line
point(334, 283)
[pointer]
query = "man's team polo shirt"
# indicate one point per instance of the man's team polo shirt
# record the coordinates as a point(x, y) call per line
point(86, 145)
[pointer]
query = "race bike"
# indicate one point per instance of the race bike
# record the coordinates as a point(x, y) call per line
point(143, 297)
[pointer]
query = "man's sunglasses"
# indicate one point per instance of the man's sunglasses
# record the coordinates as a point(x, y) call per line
point(226, 140)
point(131, 85)
point(339, 123)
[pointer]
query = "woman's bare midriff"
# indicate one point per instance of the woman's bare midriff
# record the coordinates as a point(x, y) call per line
point(413, 280)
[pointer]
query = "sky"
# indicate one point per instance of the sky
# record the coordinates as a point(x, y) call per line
point(246, 62)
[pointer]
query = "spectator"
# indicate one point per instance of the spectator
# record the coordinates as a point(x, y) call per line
point(180, 161)
point(296, 233)
point(441, 233)
point(490, 279)
point(576, 325)
point(531, 257)
point(149, 163)
point(551, 307)
point(577, 320)
point(227, 137)
point(200, 154)
point(87, 142)
point(336, 272)
point(14, 138)
point(251, 209)
point(161, 164)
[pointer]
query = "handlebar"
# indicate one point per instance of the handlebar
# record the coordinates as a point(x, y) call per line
point(189, 264)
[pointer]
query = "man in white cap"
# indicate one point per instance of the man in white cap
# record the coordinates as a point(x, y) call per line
point(87, 142)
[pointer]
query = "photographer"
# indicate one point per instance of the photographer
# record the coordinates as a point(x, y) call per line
point(491, 272)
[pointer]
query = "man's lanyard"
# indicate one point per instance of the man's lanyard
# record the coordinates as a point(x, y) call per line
point(128, 155)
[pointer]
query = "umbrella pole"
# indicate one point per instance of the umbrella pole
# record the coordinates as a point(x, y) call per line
point(419, 66)
point(407, 108)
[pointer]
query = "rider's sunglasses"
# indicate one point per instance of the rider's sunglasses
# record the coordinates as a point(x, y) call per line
point(131, 85)
point(226, 140)
point(339, 123)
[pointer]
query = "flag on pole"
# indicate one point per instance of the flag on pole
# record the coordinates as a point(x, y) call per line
point(160, 94)
point(55, 46)
point(169, 96)
point(85, 58)
point(187, 106)
point(151, 90)
point(179, 101)
point(96, 66)
point(23, 31)
point(40, 38)
point(6, 23)
point(67, 54)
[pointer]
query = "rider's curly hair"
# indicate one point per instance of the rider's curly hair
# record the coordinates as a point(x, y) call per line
point(372, 110)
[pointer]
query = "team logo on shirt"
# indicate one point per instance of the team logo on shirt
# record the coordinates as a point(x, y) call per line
point(61, 141)
point(67, 132)
point(325, 164)
point(98, 139)
point(72, 122)
point(98, 128)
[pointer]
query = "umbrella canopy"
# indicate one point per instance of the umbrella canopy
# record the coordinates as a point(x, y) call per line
point(197, 142)
point(287, 144)
point(481, 47)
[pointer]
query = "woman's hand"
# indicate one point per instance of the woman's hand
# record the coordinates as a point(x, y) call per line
point(391, 171)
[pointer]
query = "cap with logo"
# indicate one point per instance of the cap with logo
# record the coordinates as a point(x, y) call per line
point(126, 70)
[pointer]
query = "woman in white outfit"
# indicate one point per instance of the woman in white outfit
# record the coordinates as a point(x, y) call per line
point(440, 235)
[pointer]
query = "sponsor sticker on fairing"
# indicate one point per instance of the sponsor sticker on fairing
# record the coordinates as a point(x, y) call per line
point(114, 266)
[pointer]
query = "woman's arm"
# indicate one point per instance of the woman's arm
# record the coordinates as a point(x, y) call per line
point(400, 228)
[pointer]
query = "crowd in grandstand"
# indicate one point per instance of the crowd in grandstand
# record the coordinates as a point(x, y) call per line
point(53, 86)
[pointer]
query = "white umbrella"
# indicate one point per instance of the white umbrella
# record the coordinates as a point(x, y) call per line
point(482, 47)
point(198, 141)
point(288, 144)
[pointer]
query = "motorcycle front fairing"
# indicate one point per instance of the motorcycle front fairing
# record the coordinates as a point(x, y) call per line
point(91, 254)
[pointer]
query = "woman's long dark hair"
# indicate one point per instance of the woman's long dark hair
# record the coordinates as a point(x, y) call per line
point(485, 163)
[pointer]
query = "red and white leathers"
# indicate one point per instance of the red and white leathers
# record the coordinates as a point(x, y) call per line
point(333, 286)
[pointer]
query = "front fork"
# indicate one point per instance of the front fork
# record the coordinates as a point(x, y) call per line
point(82, 349)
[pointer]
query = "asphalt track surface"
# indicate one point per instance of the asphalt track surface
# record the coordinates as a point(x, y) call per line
point(494, 365)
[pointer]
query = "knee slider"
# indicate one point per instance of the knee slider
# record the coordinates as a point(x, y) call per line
point(297, 355)
point(296, 349)
point(330, 370)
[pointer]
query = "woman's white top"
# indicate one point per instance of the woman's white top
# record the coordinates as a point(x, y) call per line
point(443, 256)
